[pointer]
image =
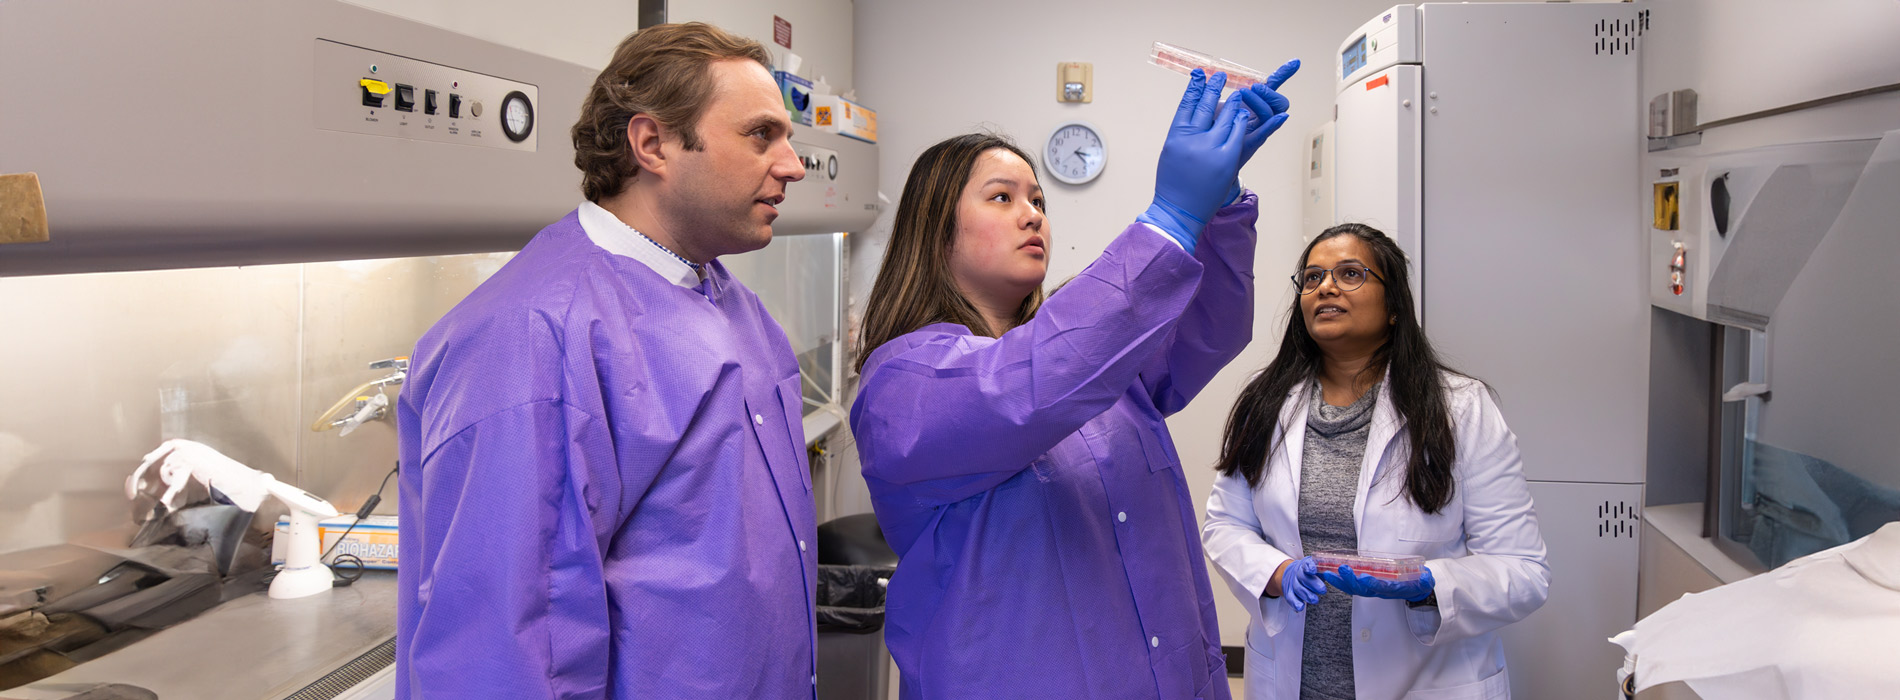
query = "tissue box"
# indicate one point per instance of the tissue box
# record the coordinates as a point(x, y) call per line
point(373, 540)
point(838, 115)
point(798, 97)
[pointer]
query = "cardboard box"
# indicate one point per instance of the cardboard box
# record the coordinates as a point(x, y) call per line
point(838, 115)
point(373, 540)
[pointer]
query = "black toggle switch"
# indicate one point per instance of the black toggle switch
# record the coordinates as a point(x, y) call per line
point(428, 102)
point(455, 106)
point(405, 98)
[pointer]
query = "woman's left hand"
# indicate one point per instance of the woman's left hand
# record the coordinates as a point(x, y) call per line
point(1368, 587)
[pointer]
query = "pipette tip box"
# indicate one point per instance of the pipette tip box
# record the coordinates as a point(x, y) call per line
point(1380, 565)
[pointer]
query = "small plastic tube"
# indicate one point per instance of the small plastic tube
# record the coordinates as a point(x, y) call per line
point(1391, 567)
point(1184, 61)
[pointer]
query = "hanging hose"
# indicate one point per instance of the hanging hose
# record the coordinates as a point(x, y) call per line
point(349, 399)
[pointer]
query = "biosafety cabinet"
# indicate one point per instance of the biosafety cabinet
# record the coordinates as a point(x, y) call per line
point(196, 133)
point(1497, 143)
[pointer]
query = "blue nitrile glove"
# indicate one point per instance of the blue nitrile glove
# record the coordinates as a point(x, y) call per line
point(1368, 587)
point(1269, 112)
point(1199, 161)
point(1300, 584)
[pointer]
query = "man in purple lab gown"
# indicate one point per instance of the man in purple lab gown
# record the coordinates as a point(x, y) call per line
point(604, 487)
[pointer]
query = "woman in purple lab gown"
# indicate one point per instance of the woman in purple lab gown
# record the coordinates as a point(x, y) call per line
point(1015, 448)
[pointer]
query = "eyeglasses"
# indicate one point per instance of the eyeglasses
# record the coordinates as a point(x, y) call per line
point(1346, 276)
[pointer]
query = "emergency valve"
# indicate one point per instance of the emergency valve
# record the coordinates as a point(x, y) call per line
point(1678, 267)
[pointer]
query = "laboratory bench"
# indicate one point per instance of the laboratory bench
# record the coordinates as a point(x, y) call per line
point(335, 645)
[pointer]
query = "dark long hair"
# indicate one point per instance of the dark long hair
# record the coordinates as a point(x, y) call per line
point(1416, 384)
point(914, 287)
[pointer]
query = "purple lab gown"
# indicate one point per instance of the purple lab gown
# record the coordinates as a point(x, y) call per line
point(604, 489)
point(1048, 544)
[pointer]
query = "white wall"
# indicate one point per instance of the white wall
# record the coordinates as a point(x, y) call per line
point(934, 70)
point(821, 31)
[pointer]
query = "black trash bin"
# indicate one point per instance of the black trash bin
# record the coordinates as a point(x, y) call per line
point(854, 563)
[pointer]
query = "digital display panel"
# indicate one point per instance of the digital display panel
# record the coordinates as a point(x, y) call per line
point(1354, 58)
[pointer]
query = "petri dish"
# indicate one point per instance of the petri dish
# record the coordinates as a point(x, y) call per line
point(1381, 565)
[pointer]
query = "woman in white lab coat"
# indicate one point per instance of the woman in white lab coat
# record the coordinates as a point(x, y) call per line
point(1355, 436)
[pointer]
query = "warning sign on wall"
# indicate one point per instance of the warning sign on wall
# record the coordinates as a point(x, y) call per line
point(781, 31)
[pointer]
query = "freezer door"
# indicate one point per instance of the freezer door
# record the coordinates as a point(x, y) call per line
point(1590, 533)
point(1377, 153)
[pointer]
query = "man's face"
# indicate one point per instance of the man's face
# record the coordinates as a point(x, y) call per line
point(725, 196)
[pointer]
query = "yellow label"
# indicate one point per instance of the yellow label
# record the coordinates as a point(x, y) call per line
point(1667, 215)
point(824, 116)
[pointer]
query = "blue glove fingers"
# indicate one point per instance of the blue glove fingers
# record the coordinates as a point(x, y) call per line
point(1271, 126)
point(1308, 581)
point(1423, 587)
point(1348, 581)
point(1260, 100)
point(1365, 586)
point(1232, 127)
point(1190, 99)
point(1336, 581)
point(1377, 587)
point(1286, 70)
point(1297, 583)
point(1210, 100)
point(1313, 584)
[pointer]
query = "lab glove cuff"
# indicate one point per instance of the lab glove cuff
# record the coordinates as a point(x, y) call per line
point(1174, 221)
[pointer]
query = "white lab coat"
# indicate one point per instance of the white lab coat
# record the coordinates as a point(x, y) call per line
point(1483, 548)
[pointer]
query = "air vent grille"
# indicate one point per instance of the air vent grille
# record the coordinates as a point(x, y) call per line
point(350, 675)
point(1617, 519)
point(1616, 37)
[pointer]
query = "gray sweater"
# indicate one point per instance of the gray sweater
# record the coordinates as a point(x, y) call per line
point(1329, 478)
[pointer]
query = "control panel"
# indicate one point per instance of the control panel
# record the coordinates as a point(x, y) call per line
point(364, 91)
point(820, 163)
point(839, 190)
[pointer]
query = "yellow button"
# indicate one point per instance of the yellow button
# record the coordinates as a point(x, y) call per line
point(376, 86)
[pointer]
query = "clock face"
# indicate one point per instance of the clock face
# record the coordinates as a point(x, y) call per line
point(1076, 153)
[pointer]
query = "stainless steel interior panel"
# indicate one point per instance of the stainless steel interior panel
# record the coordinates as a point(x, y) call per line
point(186, 134)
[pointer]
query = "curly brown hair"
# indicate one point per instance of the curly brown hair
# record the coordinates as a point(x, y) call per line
point(663, 71)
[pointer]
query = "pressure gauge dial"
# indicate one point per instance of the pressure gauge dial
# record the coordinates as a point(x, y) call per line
point(517, 117)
